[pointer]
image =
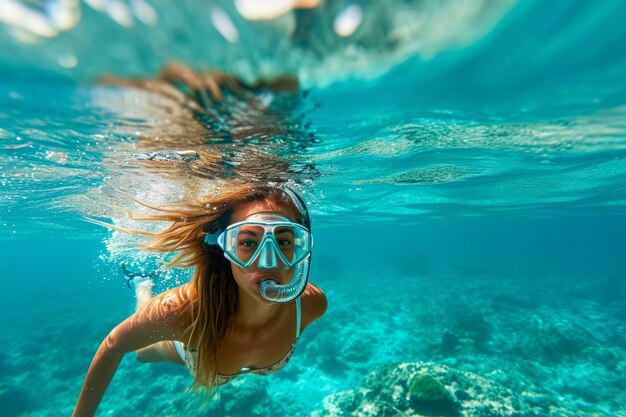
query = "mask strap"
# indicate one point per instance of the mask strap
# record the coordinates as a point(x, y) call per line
point(300, 204)
point(211, 237)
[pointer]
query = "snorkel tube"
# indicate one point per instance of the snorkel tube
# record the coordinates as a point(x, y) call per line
point(272, 291)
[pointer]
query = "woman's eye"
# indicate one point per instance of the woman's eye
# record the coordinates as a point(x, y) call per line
point(248, 243)
point(284, 242)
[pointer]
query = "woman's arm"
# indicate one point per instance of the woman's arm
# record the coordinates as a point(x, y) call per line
point(101, 371)
point(161, 318)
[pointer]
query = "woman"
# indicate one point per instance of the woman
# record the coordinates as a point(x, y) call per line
point(248, 300)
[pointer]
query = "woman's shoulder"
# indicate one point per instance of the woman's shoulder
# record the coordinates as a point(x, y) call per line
point(314, 303)
point(173, 305)
point(164, 317)
point(175, 298)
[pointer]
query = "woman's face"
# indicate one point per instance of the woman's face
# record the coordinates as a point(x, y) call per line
point(249, 279)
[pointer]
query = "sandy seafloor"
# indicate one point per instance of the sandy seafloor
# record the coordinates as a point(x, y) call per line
point(531, 336)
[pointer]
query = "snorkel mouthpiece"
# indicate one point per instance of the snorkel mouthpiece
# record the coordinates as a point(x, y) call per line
point(272, 291)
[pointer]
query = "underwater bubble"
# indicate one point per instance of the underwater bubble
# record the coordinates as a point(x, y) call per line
point(18, 15)
point(224, 25)
point(144, 12)
point(67, 60)
point(119, 12)
point(348, 21)
point(63, 14)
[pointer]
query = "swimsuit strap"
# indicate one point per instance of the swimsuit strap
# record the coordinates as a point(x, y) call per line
point(298, 317)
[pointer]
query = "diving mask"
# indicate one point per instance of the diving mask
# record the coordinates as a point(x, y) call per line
point(266, 238)
point(273, 239)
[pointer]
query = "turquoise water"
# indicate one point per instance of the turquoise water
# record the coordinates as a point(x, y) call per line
point(467, 193)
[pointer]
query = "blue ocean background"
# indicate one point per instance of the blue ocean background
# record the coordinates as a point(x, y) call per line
point(466, 177)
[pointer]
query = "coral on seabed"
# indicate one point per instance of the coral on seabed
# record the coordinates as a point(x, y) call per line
point(430, 397)
point(425, 389)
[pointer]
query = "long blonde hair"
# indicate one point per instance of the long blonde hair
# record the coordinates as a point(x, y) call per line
point(213, 296)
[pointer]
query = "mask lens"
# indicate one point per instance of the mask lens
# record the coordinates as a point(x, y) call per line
point(284, 241)
point(301, 244)
point(243, 241)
